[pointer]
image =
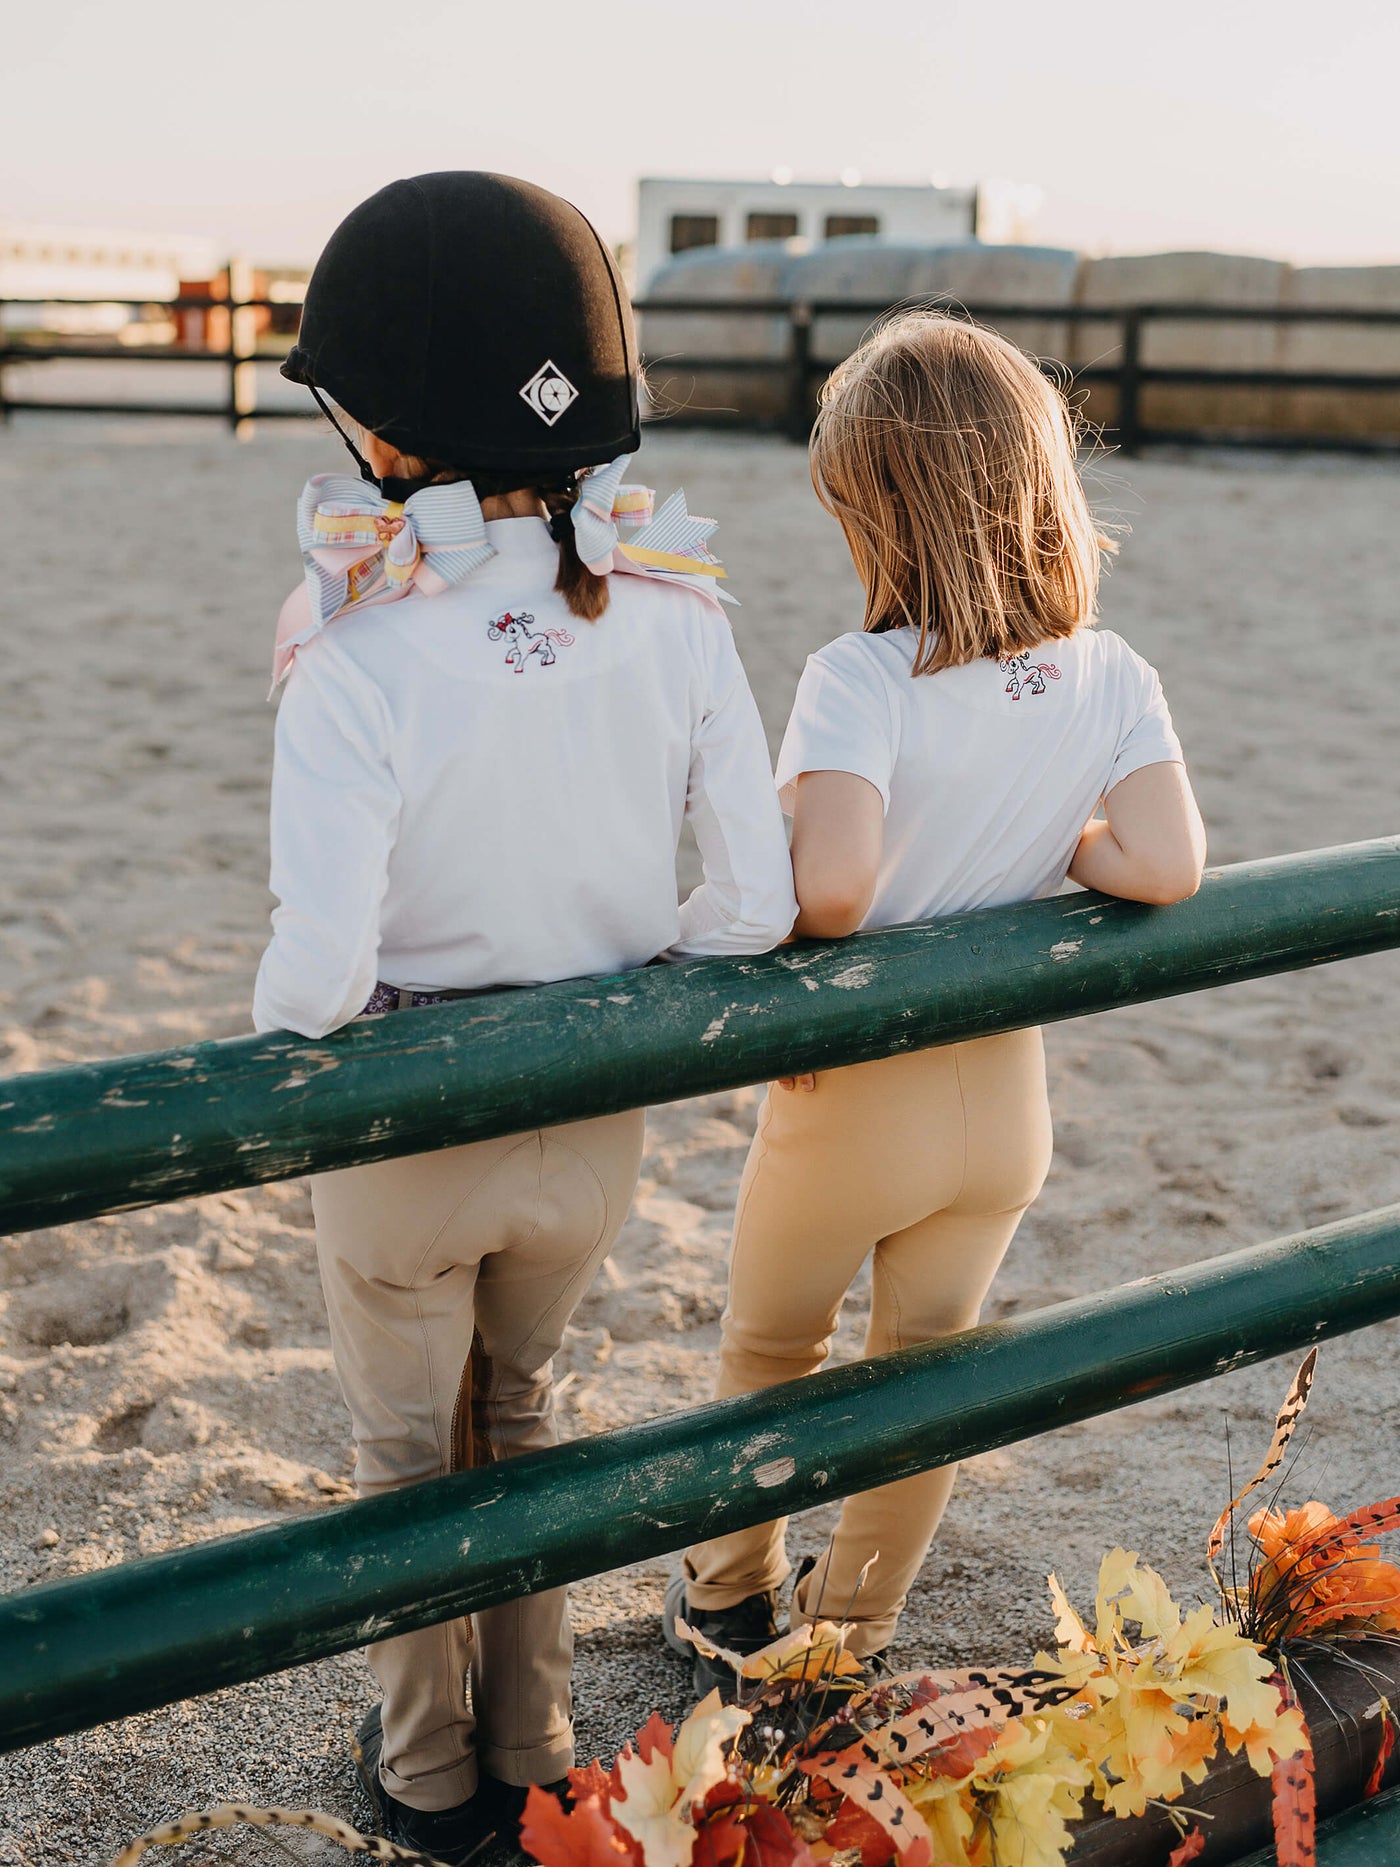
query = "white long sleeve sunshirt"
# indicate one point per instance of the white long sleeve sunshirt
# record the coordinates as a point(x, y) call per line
point(476, 789)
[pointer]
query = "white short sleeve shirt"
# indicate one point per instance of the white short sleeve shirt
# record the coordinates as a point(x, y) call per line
point(988, 772)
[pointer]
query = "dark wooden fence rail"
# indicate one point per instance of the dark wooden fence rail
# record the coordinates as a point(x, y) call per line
point(239, 402)
point(802, 366)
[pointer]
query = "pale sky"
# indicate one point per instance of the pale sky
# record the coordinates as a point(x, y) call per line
point(1231, 124)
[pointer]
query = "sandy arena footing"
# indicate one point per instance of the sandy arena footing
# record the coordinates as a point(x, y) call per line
point(165, 1375)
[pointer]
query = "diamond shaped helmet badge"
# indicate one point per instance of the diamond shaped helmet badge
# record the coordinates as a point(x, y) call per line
point(549, 392)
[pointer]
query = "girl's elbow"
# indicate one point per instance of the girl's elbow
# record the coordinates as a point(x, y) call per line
point(1167, 886)
point(831, 914)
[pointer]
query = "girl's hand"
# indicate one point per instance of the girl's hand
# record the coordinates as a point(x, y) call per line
point(806, 1083)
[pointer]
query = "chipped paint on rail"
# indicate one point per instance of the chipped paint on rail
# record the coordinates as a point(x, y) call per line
point(853, 978)
point(85, 1139)
point(715, 1028)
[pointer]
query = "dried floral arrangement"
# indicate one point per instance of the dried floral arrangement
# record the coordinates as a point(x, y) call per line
point(979, 1766)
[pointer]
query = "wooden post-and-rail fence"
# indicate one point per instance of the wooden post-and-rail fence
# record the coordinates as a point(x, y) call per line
point(1127, 329)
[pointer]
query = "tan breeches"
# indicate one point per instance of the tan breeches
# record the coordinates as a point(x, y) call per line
point(498, 1242)
point(925, 1163)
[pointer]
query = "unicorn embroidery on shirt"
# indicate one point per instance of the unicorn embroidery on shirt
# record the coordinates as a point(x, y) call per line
point(1025, 673)
point(525, 641)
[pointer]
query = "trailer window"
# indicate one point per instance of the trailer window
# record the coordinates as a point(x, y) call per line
point(688, 230)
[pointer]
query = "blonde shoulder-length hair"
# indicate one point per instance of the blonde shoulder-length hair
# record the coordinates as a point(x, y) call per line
point(949, 459)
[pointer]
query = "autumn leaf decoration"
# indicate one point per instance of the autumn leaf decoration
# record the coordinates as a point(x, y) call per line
point(1311, 1577)
point(978, 1767)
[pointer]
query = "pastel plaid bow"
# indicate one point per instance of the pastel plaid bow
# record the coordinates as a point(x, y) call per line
point(360, 548)
point(673, 543)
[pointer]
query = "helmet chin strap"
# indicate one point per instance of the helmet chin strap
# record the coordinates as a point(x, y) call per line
point(401, 490)
point(391, 487)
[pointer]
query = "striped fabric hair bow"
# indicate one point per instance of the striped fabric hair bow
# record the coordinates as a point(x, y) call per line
point(360, 548)
point(671, 545)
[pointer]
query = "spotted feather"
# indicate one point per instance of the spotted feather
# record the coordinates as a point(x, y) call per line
point(234, 1814)
point(1288, 1416)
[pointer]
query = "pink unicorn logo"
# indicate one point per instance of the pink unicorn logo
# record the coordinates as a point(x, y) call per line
point(525, 641)
point(1024, 673)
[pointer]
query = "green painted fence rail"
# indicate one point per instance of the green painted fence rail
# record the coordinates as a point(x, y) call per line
point(80, 1652)
point(104, 1137)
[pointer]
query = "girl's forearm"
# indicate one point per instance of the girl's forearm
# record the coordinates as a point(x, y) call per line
point(1151, 845)
point(1101, 863)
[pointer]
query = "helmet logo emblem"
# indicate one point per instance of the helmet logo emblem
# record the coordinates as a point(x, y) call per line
point(549, 392)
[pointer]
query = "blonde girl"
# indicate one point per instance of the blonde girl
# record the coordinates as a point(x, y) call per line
point(953, 754)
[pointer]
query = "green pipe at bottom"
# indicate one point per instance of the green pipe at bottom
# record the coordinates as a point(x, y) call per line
point(81, 1652)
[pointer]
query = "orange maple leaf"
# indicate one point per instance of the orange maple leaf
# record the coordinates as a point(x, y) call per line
point(582, 1837)
point(1187, 1848)
point(592, 1780)
point(961, 1754)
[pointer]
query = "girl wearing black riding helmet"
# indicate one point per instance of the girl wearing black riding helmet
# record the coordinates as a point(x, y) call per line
point(508, 685)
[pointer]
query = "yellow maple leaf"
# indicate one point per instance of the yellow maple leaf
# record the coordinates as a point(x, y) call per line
point(1115, 1573)
point(1029, 1786)
point(1269, 1742)
point(946, 1813)
point(811, 1652)
point(1144, 1597)
point(1149, 1704)
point(1219, 1662)
point(1070, 1631)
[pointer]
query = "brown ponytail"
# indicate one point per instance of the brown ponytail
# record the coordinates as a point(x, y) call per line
point(585, 595)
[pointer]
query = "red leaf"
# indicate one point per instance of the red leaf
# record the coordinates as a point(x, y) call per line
point(1377, 1776)
point(1187, 1848)
point(721, 1795)
point(961, 1754)
point(584, 1837)
point(655, 1735)
point(853, 1828)
point(761, 1838)
point(720, 1842)
point(590, 1781)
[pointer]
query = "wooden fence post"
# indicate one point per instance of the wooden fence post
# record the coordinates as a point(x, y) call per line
point(1129, 382)
point(242, 346)
point(799, 421)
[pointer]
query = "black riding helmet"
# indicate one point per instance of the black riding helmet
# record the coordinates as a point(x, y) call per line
point(477, 321)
